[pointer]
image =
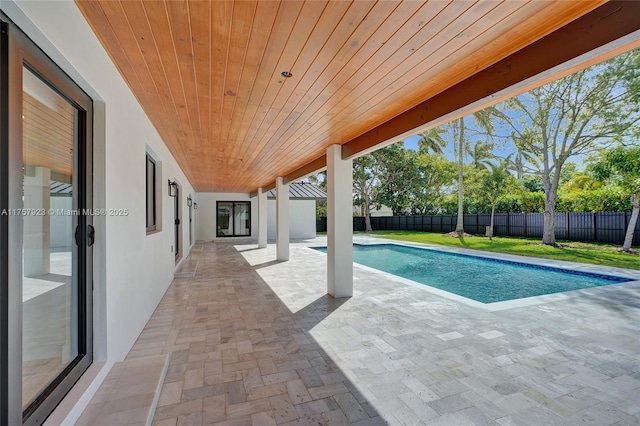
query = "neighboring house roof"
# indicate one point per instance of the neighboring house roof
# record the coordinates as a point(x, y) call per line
point(60, 188)
point(301, 191)
point(381, 212)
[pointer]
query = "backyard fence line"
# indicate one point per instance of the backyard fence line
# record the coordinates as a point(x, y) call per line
point(604, 227)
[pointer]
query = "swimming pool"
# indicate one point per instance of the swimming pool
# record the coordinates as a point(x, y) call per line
point(483, 279)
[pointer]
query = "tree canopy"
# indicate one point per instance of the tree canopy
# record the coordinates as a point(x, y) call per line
point(576, 115)
point(621, 166)
point(567, 146)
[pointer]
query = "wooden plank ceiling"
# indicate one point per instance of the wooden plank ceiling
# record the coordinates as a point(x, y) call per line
point(47, 128)
point(208, 73)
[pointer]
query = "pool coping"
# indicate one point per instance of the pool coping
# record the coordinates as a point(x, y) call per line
point(634, 275)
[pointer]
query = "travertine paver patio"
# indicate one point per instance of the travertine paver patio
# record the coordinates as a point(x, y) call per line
point(253, 341)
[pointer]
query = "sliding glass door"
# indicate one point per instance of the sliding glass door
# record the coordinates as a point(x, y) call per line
point(233, 218)
point(50, 237)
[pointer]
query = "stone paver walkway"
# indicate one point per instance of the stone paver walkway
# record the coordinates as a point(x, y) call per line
point(253, 341)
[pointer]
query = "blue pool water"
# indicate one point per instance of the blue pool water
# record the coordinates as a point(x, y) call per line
point(483, 279)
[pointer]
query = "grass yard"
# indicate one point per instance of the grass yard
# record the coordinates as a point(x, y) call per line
point(598, 254)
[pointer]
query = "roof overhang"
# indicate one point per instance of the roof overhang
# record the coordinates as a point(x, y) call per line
point(365, 74)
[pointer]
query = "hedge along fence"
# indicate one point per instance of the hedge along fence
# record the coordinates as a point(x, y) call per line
point(602, 227)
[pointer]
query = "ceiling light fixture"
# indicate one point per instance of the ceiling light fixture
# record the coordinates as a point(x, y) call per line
point(286, 74)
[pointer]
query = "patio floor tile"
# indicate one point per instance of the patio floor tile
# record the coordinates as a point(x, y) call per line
point(253, 341)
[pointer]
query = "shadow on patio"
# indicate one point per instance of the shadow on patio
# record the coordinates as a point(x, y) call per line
point(239, 354)
point(253, 341)
point(624, 301)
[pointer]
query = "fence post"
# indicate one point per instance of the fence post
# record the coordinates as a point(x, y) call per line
point(525, 226)
point(508, 224)
point(595, 227)
point(568, 227)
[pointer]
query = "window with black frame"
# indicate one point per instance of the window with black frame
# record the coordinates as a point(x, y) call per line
point(151, 194)
point(233, 219)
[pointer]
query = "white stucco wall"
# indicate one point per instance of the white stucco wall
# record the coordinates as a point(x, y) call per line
point(302, 219)
point(207, 217)
point(132, 270)
point(61, 226)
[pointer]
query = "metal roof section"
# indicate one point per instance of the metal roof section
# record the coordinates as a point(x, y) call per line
point(301, 191)
point(60, 188)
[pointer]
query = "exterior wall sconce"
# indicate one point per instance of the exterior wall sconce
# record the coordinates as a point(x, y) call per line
point(195, 206)
point(173, 188)
point(189, 201)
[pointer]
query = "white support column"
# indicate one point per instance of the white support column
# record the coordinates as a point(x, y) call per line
point(37, 228)
point(282, 220)
point(339, 223)
point(262, 218)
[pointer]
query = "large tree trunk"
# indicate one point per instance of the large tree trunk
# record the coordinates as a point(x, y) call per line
point(493, 213)
point(549, 231)
point(367, 217)
point(460, 222)
point(551, 184)
point(367, 222)
point(628, 239)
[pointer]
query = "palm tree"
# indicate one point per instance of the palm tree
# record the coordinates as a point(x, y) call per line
point(481, 155)
point(519, 159)
point(483, 119)
point(432, 140)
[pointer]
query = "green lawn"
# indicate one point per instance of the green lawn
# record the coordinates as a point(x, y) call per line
point(598, 254)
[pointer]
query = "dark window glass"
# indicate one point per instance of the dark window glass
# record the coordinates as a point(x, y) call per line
point(151, 194)
point(233, 219)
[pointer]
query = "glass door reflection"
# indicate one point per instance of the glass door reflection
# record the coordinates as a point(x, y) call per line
point(241, 220)
point(50, 258)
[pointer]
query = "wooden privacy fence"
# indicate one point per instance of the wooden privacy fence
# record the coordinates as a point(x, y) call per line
point(589, 227)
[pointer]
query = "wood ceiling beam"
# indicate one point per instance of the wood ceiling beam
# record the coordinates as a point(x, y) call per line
point(269, 187)
point(308, 169)
point(603, 33)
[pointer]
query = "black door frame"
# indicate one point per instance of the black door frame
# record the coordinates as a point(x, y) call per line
point(190, 226)
point(176, 221)
point(18, 52)
point(4, 224)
